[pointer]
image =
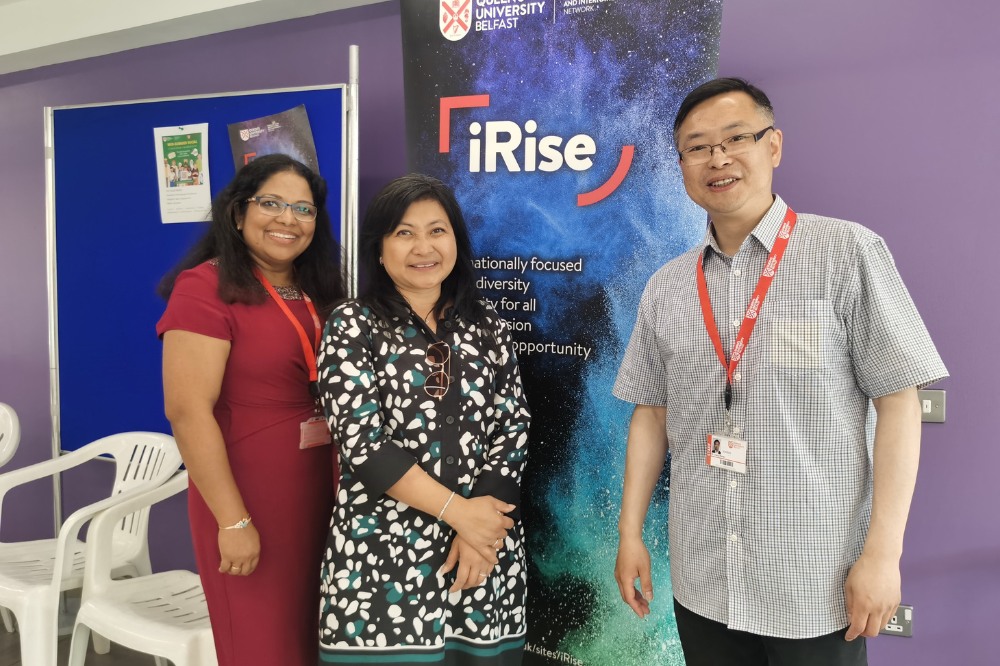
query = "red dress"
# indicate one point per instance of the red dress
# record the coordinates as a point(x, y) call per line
point(270, 617)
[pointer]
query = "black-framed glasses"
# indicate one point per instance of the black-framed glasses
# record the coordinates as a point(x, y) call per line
point(439, 358)
point(273, 206)
point(734, 145)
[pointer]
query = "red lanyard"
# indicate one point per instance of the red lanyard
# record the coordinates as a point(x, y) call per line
point(308, 348)
point(753, 309)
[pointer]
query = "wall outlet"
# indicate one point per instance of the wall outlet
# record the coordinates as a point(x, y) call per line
point(931, 405)
point(901, 624)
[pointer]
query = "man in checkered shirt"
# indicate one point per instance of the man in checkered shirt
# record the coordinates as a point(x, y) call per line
point(785, 544)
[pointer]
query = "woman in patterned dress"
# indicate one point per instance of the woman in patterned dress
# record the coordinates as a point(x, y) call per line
point(418, 378)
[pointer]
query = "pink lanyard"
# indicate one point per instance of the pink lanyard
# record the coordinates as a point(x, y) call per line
point(753, 309)
point(308, 347)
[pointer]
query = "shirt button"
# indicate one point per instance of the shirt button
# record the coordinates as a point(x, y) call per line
point(734, 483)
point(449, 420)
point(733, 537)
point(736, 430)
point(450, 460)
point(737, 272)
point(737, 376)
point(736, 323)
point(448, 324)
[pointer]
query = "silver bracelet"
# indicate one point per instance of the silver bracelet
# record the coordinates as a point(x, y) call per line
point(240, 524)
point(445, 507)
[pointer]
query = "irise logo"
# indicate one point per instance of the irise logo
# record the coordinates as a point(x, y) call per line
point(504, 138)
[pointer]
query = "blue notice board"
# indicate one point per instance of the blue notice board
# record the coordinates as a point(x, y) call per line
point(111, 248)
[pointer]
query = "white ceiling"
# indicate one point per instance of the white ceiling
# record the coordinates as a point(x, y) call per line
point(46, 32)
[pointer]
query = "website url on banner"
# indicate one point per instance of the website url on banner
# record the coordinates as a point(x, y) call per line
point(553, 654)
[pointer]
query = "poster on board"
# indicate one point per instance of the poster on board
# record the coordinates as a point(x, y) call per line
point(552, 120)
point(182, 172)
point(287, 132)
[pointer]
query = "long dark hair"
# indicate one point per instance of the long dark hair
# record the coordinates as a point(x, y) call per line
point(317, 269)
point(384, 214)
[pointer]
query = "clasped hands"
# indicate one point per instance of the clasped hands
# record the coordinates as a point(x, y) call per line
point(481, 524)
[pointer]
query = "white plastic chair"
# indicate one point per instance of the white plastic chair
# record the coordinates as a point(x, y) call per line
point(163, 614)
point(10, 437)
point(34, 573)
point(10, 433)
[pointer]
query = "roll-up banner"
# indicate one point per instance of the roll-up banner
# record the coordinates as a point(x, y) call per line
point(552, 120)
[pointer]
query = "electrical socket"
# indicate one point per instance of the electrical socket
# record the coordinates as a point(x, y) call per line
point(931, 405)
point(901, 624)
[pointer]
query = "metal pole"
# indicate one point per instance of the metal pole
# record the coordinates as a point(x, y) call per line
point(349, 234)
point(50, 266)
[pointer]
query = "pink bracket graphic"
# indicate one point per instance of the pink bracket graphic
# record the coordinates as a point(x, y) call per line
point(624, 163)
point(449, 103)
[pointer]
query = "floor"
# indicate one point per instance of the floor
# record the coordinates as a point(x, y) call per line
point(10, 653)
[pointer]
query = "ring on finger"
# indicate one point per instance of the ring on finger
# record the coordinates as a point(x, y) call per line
point(482, 575)
point(235, 568)
point(496, 544)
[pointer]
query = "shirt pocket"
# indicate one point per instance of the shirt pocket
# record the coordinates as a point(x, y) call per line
point(800, 335)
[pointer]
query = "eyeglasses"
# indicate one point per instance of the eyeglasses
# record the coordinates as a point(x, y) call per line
point(439, 358)
point(273, 206)
point(734, 145)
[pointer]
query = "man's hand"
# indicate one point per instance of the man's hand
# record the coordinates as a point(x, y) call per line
point(647, 451)
point(872, 594)
point(872, 590)
point(633, 564)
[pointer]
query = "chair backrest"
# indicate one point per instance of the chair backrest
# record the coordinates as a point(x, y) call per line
point(104, 529)
point(143, 461)
point(10, 433)
point(140, 458)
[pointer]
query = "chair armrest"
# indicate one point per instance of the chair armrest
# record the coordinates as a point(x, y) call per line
point(97, 573)
point(24, 475)
point(71, 526)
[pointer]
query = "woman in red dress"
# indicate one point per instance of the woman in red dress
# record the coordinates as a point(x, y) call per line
point(239, 338)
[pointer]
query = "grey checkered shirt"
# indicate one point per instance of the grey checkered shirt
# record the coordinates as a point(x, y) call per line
point(768, 551)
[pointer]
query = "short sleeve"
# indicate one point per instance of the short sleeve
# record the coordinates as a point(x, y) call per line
point(890, 347)
point(639, 379)
point(195, 306)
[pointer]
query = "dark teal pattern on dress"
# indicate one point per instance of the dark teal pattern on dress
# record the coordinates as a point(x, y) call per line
point(383, 601)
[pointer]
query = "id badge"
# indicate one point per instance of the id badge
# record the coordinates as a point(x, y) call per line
point(727, 453)
point(314, 432)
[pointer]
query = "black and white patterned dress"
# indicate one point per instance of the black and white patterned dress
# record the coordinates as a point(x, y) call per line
point(382, 598)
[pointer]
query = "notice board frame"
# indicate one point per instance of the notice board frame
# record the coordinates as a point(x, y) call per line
point(106, 248)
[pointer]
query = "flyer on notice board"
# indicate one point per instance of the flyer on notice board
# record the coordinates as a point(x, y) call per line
point(182, 169)
point(287, 132)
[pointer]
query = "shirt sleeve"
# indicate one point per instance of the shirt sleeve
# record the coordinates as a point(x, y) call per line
point(352, 403)
point(195, 306)
point(889, 345)
point(501, 474)
point(640, 376)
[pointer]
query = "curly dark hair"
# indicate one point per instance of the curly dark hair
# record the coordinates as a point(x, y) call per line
point(384, 214)
point(317, 269)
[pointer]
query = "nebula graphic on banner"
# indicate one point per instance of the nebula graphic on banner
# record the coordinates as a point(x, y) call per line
point(545, 102)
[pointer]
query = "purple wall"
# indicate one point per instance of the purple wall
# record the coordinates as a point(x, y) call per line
point(869, 95)
point(883, 106)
